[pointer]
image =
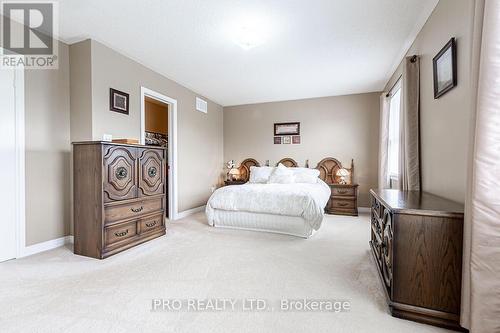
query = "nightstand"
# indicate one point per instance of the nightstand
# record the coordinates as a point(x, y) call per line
point(343, 199)
point(234, 182)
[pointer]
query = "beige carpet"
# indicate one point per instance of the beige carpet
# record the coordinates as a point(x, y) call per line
point(57, 291)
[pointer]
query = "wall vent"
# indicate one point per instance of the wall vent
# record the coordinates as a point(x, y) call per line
point(201, 105)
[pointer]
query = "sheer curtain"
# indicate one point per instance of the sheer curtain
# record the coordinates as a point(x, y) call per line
point(383, 174)
point(408, 156)
point(481, 267)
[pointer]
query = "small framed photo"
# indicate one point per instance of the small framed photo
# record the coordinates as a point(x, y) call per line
point(118, 101)
point(296, 139)
point(286, 129)
point(445, 69)
point(287, 140)
point(277, 140)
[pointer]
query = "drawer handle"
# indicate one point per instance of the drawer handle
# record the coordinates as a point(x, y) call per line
point(121, 173)
point(342, 191)
point(137, 210)
point(152, 172)
point(121, 234)
point(152, 224)
point(343, 204)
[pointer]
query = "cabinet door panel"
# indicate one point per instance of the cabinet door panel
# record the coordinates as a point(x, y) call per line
point(151, 172)
point(387, 249)
point(120, 174)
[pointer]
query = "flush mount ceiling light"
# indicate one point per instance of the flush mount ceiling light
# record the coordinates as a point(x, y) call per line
point(248, 38)
point(250, 31)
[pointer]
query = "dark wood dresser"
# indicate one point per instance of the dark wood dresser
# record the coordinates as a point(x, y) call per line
point(119, 196)
point(416, 241)
point(343, 199)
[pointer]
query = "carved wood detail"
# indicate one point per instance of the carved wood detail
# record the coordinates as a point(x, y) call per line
point(120, 174)
point(151, 173)
point(328, 168)
point(245, 168)
point(288, 162)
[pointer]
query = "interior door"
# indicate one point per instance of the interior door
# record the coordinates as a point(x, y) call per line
point(8, 167)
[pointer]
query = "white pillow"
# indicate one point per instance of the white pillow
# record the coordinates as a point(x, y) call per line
point(306, 175)
point(260, 175)
point(282, 175)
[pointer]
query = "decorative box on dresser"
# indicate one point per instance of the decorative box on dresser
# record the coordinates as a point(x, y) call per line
point(416, 242)
point(119, 196)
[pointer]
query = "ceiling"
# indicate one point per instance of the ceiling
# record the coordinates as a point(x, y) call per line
point(308, 48)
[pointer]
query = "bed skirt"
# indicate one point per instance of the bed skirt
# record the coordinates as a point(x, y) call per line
point(281, 224)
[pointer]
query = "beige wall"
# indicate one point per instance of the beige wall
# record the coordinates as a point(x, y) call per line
point(156, 117)
point(48, 151)
point(445, 122)
point(200, 143)
point(343, 127)
point(81, 91)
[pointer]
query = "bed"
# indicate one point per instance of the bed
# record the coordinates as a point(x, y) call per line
point(288, 208)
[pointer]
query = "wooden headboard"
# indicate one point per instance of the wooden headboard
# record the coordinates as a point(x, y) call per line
point(328, 168)
point(245, 168)
point(288, 162)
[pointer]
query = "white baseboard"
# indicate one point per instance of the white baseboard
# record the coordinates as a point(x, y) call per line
point(364, 209)
point(45, 246)
point(191, 211)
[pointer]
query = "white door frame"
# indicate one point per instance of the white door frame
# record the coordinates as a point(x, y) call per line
point(20, 163)
point(20, 205)
point(172, 145)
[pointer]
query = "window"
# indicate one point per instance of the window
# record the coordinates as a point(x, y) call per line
point(393, 149)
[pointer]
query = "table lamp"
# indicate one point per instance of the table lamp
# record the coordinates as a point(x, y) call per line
point(343, 173)
point(234, 174)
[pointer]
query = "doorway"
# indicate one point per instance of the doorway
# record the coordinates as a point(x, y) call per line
point(159, 128)
point(12, 237)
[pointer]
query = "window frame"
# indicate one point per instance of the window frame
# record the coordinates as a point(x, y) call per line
point(394, 177)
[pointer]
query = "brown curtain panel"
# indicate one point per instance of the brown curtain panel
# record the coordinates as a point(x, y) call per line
point(409, 147)
point(481, 267)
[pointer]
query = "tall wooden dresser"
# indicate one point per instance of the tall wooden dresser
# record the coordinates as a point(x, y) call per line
point(119, 196)
point(416, 241)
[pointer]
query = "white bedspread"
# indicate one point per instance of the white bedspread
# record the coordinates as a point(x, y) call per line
point(304, 200)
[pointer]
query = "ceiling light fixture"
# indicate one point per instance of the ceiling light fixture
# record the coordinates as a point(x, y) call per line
point(248, 38)
point(250, 30)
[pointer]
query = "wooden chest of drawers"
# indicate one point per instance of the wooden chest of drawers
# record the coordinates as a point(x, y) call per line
point(416, 242)
point(343, 199)
point(119, 196)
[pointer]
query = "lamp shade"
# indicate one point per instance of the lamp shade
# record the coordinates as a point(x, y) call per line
point(234, 171)
point(343, 172)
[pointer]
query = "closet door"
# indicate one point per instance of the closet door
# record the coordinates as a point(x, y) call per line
point(120, 174)
point(151, 172)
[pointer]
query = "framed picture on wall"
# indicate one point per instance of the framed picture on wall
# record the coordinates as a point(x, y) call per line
point(287, 129)
point(296, 139)
point(445, 69)
point(287, 140)
point(118, 101)
point(277, 140)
